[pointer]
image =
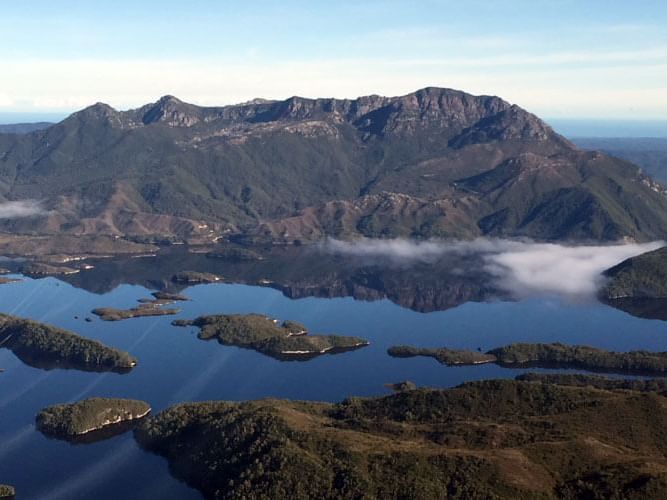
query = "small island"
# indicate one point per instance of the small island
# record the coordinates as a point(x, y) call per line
point(169, 296)
point(289, 340)
point(142, 310)
point(7, 491)
point(47, 347)
point(43, 269)
point(445, 356)
point(90, 415)
point(195, 277)
point(554, 355)
point(406, 385)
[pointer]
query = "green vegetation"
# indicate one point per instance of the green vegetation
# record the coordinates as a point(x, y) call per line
point(596, 381)
point(578, 356)
point(68, 420)
point(236, 254)
point(191, 277)
point(253, 331)
point(444, 355)
point(46, 346)
point(495, 439)
point(548, 356)
point(7, 491)
point(145, 309)
point(641, 277)
point(173, 297)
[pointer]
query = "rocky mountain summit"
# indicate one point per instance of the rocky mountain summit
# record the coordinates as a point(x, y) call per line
point(433, 163)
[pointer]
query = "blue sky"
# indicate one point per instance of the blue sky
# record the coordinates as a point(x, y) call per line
point(557, 58)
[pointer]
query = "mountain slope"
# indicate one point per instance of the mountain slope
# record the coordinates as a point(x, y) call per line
point(437, 162)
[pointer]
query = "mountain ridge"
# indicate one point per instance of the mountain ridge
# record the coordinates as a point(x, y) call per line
point(432, 163)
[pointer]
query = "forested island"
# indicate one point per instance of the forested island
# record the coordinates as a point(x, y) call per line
point(142, 310)
point(289, 340)
point(94, 414)
point(500, 439)
point(443, 355)
point(46, 346)
point(554, 355)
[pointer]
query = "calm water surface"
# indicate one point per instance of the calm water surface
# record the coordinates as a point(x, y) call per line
point(175, 366)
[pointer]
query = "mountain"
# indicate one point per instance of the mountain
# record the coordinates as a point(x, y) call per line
point(650, 153)
point(23, 128)
point(433, 163)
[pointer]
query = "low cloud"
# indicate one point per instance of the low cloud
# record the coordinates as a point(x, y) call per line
point(523, 268)
point(21, 208)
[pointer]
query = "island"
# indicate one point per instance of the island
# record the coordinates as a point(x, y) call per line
point(7, 491)
point(90, 415)
point(289, 340)
point(44, 269)
point(501, 439)
point(444, 355)
point(45, 346)
point(5, 281)
point(195, 277)
point(555, 355)
point(169, 296)
point(406, 385)
point(145, 309)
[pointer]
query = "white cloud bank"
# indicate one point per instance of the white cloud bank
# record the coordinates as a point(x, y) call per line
point(20, 208)
point(523, 268)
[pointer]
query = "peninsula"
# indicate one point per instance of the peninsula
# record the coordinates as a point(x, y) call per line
point(501, 439)
point(45, 346)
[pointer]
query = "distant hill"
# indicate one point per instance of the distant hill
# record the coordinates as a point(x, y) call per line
point(23, 128)
point(650, 153)
point(433, 163)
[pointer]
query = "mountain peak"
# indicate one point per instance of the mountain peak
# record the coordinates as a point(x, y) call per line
point(171, 111)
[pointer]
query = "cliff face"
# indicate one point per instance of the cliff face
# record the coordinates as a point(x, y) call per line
point(436, 162)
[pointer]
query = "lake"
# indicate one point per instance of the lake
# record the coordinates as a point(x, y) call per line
point(175, 366)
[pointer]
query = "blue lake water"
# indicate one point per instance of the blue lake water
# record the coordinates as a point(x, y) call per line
point(175, 366)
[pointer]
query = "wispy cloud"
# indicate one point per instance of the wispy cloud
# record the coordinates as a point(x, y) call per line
point(523, 268)
point(21, 208)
